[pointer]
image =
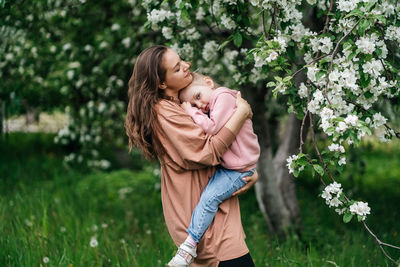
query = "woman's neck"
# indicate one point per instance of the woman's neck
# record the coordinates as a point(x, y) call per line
point(171, 92)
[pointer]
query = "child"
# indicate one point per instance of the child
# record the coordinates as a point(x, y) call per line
point(199, 99)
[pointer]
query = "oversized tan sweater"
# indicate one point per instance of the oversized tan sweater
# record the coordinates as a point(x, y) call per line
point(185, 171)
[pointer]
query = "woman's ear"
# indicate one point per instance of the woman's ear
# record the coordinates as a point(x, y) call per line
point(162, 86)
point(209, 81)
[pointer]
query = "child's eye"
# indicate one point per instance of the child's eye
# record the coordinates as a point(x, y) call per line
point(197, 96)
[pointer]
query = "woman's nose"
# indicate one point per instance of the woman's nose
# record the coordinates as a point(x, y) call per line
point(186, 65)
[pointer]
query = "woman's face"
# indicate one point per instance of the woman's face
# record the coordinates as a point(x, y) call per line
point(177, 74)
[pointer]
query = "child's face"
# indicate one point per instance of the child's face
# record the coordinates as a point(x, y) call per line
point(198, 95)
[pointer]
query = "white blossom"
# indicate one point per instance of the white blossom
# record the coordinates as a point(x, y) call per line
point(347, 6)
point(378, 120)
point(336, 148)
point(360, 208)
point(351, 120)
point(289, 161)
point(342, 127)
point(210, 50)
point(167, 32)
point(126, 42)
point(115, 27)
point(200, 14)
point(93, 242)
point(366, 45)
point(156, 16)
point(325, 45)
point(302, 92)
point(227, 22)
point(272, 56)
point(373, 67)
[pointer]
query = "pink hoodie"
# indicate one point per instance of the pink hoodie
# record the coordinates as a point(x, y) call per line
point(244, 152)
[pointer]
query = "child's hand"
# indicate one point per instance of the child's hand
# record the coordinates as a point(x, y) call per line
point(186, 105)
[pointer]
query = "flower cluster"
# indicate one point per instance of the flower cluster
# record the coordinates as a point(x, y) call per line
point(332, 193)
point(360, 208)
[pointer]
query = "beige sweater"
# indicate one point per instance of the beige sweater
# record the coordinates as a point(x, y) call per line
point(185, 171)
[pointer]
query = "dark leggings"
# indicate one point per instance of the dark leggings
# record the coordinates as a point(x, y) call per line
point(244, 261)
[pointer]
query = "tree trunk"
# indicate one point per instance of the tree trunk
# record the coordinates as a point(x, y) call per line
point(275, 189)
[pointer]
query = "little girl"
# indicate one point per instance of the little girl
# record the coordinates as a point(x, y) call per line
point(211, 108)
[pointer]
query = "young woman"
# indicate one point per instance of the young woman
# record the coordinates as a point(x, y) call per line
point(156, 124)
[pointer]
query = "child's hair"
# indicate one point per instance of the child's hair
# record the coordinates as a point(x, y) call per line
point(198, 79)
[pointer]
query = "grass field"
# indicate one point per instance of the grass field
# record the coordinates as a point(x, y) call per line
point(68, 217)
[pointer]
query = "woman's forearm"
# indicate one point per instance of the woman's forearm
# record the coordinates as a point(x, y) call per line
point(237, 120)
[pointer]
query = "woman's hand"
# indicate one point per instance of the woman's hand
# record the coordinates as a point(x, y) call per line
point(251, 180)
point(243, 106)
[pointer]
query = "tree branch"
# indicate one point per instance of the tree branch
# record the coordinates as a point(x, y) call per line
point(380, 243)
point(263, 25)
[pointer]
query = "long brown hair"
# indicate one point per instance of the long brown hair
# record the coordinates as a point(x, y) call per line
point(141, 121)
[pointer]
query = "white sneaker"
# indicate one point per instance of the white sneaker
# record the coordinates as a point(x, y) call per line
point(184, 256)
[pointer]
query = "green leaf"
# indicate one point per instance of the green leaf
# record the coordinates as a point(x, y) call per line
point(370, 5)
point(347, 217)
point(270, 84)
point(355, 12)
point(148, 24)
point(296, 173)
point(363, 26)
point(287, 78)
point(302, 161)
point(184, 13)
point(237, 39)
point(227, 41)
point(318, 169)
point(346, 44)
point(381, 18)
point(320, 74)
point(365, 80)
point(353, 54)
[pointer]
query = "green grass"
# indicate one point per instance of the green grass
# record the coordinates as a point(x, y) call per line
point(50, 210)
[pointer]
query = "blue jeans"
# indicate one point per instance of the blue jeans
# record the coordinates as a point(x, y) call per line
point(221, 186)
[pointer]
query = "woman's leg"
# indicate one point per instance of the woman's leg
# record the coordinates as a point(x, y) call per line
point(220, 187)
point(244, 261)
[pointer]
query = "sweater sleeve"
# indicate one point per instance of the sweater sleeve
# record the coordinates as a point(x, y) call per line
point(188, 145)
point(223, 109)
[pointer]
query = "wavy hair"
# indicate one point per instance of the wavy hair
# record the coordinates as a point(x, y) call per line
point(141, 121)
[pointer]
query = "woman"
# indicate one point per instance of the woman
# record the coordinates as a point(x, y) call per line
point(157, 125)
